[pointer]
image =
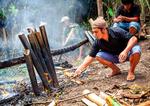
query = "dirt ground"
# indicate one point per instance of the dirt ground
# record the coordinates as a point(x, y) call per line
point(95, 79)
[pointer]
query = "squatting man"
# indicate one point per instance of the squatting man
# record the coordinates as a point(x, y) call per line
point(112, 45)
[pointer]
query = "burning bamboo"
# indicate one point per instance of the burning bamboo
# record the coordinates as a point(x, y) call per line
point(44, 36)
point(36, 63)
point(31, 72)
point(37, 50)
point(48, 59)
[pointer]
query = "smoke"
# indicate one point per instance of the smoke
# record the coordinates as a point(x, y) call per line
point(25, 13)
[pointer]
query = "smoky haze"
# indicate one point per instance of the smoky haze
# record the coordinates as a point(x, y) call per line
point(30, 13)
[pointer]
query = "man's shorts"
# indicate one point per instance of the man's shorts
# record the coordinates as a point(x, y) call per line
point(114, 58)
point(126, 25)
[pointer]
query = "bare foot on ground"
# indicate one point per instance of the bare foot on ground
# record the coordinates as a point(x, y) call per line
point(130, 77)
point(113, 73)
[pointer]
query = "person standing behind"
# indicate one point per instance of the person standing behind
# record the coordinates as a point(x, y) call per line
point(72, 34)
point(128, 16)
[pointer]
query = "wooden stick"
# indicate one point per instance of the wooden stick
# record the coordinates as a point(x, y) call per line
point(31, 72)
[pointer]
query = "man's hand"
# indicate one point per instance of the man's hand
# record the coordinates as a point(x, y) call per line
point(122, 18)
point(77, 73)
point(83, 66)
point(117, 20)
point(123, 56)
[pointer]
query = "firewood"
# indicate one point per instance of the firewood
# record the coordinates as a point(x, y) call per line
point(147, 103)
point(88, 102)
point(44, 36)
point(31, 72)
point(37, 50)
point(69, 75)
point(48, 59)
point(135, 96)
point(94, 98)
point(36, 63)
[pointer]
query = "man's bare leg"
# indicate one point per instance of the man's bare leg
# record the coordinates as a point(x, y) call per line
point(134, 60)
point(115, 69)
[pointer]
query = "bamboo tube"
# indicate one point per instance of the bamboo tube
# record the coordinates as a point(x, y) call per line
point(37, 50)
point(88, 102)
point(36, 63)
point(48, 59)
point(31, 72)
point(44, 36)
point(94, 98)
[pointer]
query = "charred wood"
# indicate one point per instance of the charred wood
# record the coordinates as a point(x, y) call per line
point(31, 72)
point(48, 59)
point(44, 36)
point(36, 63)
point(21, 60)
point(37, 50)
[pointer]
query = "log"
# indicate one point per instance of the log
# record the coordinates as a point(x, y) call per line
point(88, 102)
point(21, 60)
point(48, 59)
point(31, 72)
point(36, 63)
point(44, 36)
point(37, 50)
point(12, 62)
point(8, 82)
point(94, 98)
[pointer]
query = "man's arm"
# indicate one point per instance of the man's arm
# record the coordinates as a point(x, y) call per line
point(123, 55)
point(128, 19)
point(87, 61)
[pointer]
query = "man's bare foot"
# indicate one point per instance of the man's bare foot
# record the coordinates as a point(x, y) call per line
point(130, 77)
point(114, 73)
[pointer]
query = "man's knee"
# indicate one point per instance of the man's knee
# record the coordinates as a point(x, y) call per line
point(134, 27)
point(135, 50)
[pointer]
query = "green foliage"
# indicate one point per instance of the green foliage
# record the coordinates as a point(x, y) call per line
point(2, 14)
point(111, 12)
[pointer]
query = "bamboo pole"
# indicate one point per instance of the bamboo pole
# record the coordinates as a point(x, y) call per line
point(36, 63)
point(48, 59)
point(37, 50)
point(44, 36)
point(94, 98)
point(31, 72)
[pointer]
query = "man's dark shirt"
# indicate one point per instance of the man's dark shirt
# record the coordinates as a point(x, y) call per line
point(134, 12)
point(118, 39)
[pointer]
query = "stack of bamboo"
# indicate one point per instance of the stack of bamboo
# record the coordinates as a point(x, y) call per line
point(37, 54)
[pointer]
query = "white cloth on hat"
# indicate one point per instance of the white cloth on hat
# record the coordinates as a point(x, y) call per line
point(65, 18)
point(99, 23)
